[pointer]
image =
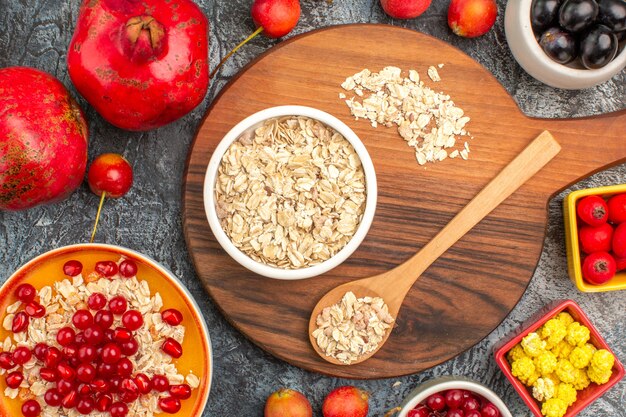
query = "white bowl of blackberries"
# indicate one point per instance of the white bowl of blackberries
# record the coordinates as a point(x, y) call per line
point(572, 44)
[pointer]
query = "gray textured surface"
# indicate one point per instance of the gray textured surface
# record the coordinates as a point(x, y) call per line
point(37, 32)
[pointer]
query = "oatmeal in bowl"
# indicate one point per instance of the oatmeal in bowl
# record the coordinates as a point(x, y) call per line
point(290, 192)
point(102, 331)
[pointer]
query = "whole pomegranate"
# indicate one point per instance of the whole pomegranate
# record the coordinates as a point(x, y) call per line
point(141, 64)
point(43, 139)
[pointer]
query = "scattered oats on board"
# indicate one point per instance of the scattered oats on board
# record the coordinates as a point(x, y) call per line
point(352, 328)
point(428, 121)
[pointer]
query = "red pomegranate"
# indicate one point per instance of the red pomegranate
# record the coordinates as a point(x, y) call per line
point(140, 63)
point(43, 139)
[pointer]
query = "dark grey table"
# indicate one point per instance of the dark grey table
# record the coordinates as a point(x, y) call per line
point(37, 32)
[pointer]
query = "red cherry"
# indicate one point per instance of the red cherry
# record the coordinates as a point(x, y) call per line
point(53, 397)
point(128, 268)
point(277, 18)
point(94, 335)
point(110, 173)
point(70, 400)
point(85, 372)
point(20, 322)
point(106, 268)
point(111, 353)
point(66, 336)
point(66, 372)
point(118, 305)
point(85, 405)
point(436, 402)
point(130, 348)
point(124, 367)
point(173, 348)
point(106, 369)
point(132, 320)
point(104, 319)
point(172, 317)
point(169, 405)
point(35, 310)
point(84, 389)
point(6, 360)
point(14, 379)
point(489, 410)
point(25, 293)
point(143, 383)
point(72, 268)
point(39, 351)
point(118, 409)
point(82, 319)
point(53, 357)
point(49, 374)
point(182, 391)
point(65, 387)
point(104, 402)
point(31, 408)
point(160, 383)
point(21, 355)
point(96, 301)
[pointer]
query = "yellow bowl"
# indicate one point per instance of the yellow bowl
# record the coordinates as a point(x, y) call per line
point(574, 264)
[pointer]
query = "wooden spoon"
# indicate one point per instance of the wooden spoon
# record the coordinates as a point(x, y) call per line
point(393, 285)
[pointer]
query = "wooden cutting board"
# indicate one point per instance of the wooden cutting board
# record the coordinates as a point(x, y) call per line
point(465, 294)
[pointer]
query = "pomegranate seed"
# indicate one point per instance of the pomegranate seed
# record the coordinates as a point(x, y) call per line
point(21, 355)
point(106, 268)
point(82, 319)
point(40, 351)
point(14, 379)
point(84, 389)
point(94, 335)
point(65, 387)
point(132, 320)
point(122, 335)
point(172, 317)
point(118, 305)
point(128, 268)
point(85, 372)
point(80, 338)
point(128, 384)
point(104, 319)
point(70, 352)
point(70, 400)
point(111, 353)
point(20, 322)
point(25, 293)
point(100, 385)
point(182, 391)
point(35, 310)
point(143, 383)
point(66, 336)
point(172, 348)
point(72, 268)
point(96, 301)
point(53, 397)
point(104, 402)
point(66, 372)
point(31, 408)
point(6, 360)
point(128, 396)
point(130, 348)
point(160, 383)
point(116, 382)
point(49, 374)
point(124, 367)
point(109, 336)
point(170, 405)
point(119, 409)
point(86, 353)
point(85, 405)
point(53, 357)
point(106, 370)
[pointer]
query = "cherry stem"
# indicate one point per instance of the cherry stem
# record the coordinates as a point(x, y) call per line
point(245, 41)
point(95, 226)
point(392, 411)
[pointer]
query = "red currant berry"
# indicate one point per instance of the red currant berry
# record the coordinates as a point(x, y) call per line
point(82, 319)
point(143, 383)
point(119, 409)
point(85, 405)
point(128, 268)
point(173, 348)
point(124, 367)
point(85, 372)
point(118, 305)
point(132, 320)
point(169, 405)
point(111, 353)
point(96, 301)
point(20, 322)
point(106, 268)
point(94, 335)
point(160, 383)
point(172, 316)
point(25, 293)
point(49, 374)
point(31, 408)
point(72, 268)
point(40, 351)
point(6, 360)
point(53, 357)
point(52, 397)
point(182, 391)
point(104, 319)
point(14, 379)
point(21, 355)
point(35, 310)
point(66, 336)
point(104, 402)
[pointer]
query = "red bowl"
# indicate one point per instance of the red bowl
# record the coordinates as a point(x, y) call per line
point(584, 397)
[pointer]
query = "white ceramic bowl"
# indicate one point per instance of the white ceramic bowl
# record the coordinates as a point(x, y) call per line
point(254, 121)
point(528, 53)
point(444, 383)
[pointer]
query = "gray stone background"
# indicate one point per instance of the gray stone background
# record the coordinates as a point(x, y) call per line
point(37, 32)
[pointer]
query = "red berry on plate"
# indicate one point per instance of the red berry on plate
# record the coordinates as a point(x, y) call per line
point(436, 402)
point(20, 322)
point(66, 372)
point(455, 413)
point(121, 335)
point(72, 268)
point(169, 405)
point(21, 355)
point(25, 293)
point(66, 336)
point(182, 391)
point(106, 370)
point(110, 173)
point(96, 301)
point(129, 348)
point(119, 409)
point(85, 372)
point(6, 360)
point(598, 268)
point(53, 357)
point(277, 17)
point(419, 411)
point(454, 398)
point(104, 402)
point(124, 367)
point(128, 268)
point(595, 238)
point(111, 353)
point(118, 305)
point(144, 384)
point(31, 408)
point(128, 396)
point(132, 320)
point(49, 374)
point(84, 389)
point(35, 310)
point(104, 319)
point(82, 319)
point(472, 18)
point(70, 400)
point(617, 208)
point(470, 404)
point(172, 348)
point(52, 397)
point(106, 268)
point(14, 379)
point(472, 413)
point(94, 335)
point(85, 405)
point(172, 316)
point(593, 210)
point(65, 387)
point(160, 383)
point(39, 351)
point(489, 410)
